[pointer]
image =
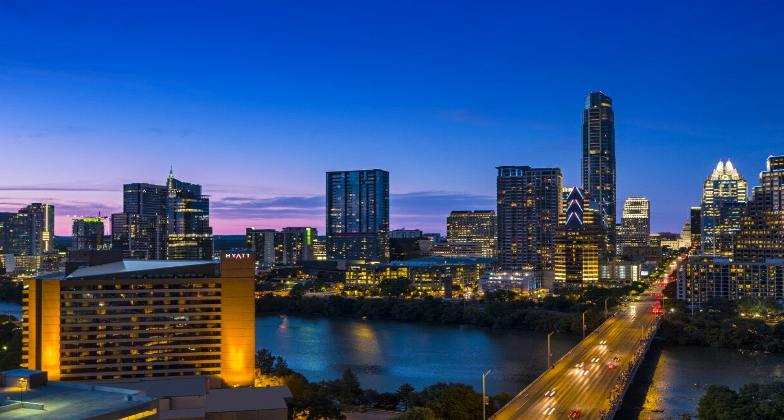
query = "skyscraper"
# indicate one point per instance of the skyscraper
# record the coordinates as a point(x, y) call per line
point(635, 229)
point(581, 242)
point(529, 202)
point(761, 235)
point(188, 221)
point(160, 222)
point(598, 174)
point(140, 230)
point(473, 226)
point(87, 233)
point(290, 246)
point(29, 232)
point(358, 215)
point(724, 198)
point(696, 225)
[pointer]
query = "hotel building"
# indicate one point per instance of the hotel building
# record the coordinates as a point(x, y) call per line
point(142, 319)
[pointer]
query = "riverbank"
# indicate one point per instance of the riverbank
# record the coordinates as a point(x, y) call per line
point(515, 314)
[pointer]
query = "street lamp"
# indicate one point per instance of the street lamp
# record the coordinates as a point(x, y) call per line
point(548, 349)
point(484, 398)
point(22, 383)
point(605, 308)
point(584, 323)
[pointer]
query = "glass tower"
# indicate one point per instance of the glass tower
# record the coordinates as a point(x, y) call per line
point(598, 173)
point(358, 215)
point(724, 198)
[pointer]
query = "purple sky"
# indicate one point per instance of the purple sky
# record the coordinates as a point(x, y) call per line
point(255, 101)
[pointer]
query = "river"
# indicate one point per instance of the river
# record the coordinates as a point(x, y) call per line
point(385, 355)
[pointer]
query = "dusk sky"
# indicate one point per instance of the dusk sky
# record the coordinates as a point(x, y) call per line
point(257, 100)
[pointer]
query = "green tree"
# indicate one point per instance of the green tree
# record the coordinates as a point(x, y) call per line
point(405, 393)
point(457, 402)
point(394, 287)
point(265, 361)
point(418, 413)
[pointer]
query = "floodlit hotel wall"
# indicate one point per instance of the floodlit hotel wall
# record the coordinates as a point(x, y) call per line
point(104, 328)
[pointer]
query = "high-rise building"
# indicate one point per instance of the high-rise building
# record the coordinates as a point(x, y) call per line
point(405, 234)
point(87, 233)
point(141, 319)
point(292, 245)
point(188, 221)
point(724, 198)
point(696, 225)
point(598, 174)
point(635, 229)
point(581, 242)
point(761, 235)
point(529, 202)
point(140, 231)
point(29, 232)
point(160, 222)
point(473, 226)
point(358, 215)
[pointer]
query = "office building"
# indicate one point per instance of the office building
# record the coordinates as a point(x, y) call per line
point(695, 220)
point(141, 319)
point(188, 221)
point(701, 278)
point(529, 202)
point(635, 228)
point(318, 249)
point(761, 235)
point(474, 226)
point(598, 172)
point(140, 231)
point(581, 242)
point(28, 236)
point(87, 233)
point(522, 282)
point(456, 250)
point(724, 198)
point(619, 273)
point(358, 215)
point(405, 234)
point(290, 246)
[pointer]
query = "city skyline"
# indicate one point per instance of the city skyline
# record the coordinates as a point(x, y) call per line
point(239, 111)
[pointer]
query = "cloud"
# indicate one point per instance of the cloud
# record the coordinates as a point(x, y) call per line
point(268, 208)
point(57, 187)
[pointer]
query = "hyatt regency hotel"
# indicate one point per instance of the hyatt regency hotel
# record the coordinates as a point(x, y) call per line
point(143, 319)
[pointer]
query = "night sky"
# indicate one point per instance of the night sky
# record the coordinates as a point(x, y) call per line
point(256, 101)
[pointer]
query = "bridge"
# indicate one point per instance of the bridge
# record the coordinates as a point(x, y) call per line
point(592, 378)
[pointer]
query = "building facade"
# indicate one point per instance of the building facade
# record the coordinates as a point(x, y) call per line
point(529, 202)
point(724, 198)
point(358, 215)
point(434, 275)
point(598, 172)
point(27, 238)
point(142, 319)
point(140, 231)
point(523, 282)
point(581, 242)
point(87, 233)
point(761, 235)
point(635, 228)
point(290, 246)
point(188, 222)
point(703, 278)
point(477, 226)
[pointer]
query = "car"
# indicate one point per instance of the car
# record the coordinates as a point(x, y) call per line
point(595, 360)
point(611, 365)
point(574, 414)
point(548, 411)
point(585, 372)
point(550, 393)
point(603, 342)
point(579, 365)
point(616, 358)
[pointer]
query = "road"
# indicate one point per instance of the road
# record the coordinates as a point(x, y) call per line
point(587, 393)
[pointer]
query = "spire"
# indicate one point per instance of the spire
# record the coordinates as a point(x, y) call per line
point(728, 167)
point(171, 172)
point(720, 167)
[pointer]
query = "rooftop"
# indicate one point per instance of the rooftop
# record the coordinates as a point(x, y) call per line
point(129, 267)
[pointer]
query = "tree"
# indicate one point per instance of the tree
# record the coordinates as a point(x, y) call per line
point(265, 361)
point(405, 393)
point(418, 413)
point(457, 402)
point(393, 287)
point(752, 402)
point(297, 291)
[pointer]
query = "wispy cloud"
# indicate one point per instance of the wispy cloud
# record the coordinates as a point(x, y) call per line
point(57, 187)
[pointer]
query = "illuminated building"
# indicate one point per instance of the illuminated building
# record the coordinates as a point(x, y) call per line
point(686, 235)
point(473, 226)
point(529, 202)
point(188, 221)
point(635, 228)
point(581, 242)
point(140, 319)
point(28, 235)
point(703, 278)
point(619, 272)
point(358, 215)
point(598, 172)
point(457, 249)
point(761, 235)
point(430, 275)
point(140, 231)
point(290, 246)
point(405, 234)
point(523, 282)
point(696, 225)
point(724, 197)
point(87, 233)
point(319, 248)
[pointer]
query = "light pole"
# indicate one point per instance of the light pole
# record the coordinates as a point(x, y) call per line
point(484, 399)
point(548, 349)
point(584, 323)
point(605, 308)
point(22, 382)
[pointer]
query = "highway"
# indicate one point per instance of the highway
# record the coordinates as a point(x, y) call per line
point(574, 388)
